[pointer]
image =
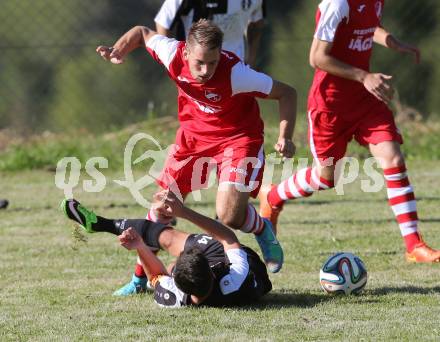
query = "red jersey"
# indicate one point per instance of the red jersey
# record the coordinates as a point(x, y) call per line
point(350, 26)
point(224, 107)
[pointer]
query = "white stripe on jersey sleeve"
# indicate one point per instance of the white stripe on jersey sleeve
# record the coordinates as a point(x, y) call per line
point(257, 14)
point(238, 271)
point(167, 13)
point(332, 13)
point(164, 47)
point(246, 80)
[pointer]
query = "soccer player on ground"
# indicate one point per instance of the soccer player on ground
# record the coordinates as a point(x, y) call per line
point(220, 122)
point(213, 269)
point(346, 100)
point(241, 22)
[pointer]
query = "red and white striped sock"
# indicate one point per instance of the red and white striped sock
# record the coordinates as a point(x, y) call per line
point(301, 184)
point(151, 216)
point(403, 203)
point(254, 223)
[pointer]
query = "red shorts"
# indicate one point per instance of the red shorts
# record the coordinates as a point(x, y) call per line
point(330, 132)
point(239, 161)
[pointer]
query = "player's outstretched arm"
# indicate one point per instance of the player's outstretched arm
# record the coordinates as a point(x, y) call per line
point(138, 36)
point(384, 38)
point(153, 267)
point(287, 99)
point(174, 207)
point(376, 83)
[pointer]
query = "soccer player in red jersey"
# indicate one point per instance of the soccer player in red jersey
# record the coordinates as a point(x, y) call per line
point(220, 125)
point(346, 100)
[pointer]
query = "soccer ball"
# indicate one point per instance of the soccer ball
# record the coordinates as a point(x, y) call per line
point(343, 273)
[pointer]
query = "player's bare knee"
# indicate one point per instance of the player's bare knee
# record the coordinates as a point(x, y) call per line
point(397, 160)
point(392, 160)
point(166, 239)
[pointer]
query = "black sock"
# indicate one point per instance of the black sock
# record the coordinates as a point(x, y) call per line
point(149, 231)
point(106, 225)
point(117, 227)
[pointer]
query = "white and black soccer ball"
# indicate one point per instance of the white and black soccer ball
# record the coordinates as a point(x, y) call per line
point(343, 273)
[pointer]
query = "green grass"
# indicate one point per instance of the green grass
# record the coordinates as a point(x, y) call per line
point(44, 151)
point(53, 287)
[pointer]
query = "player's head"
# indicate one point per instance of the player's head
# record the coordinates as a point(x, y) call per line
point(192, 273)
point(202, 50)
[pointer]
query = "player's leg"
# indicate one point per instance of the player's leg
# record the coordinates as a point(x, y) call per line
point(378, 131)
point(155, 235)
point(328, 139)
point(174, 176)
point(139, 276)
point(301, 184)
point(402, 200)
point(172, 241)
point(240, 176)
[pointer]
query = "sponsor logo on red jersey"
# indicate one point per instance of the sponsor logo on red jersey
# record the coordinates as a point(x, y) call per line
point(361, 44)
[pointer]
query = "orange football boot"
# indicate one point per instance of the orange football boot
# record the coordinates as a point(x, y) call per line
point(423, 253)
point(266, 210)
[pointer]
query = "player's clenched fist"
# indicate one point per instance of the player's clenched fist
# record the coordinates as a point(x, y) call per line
point(130, 239)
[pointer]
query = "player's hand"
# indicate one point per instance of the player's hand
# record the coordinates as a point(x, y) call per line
point(379, 86)
point(173, 204)
point(130, 239)
point(285, 147)
point(160, 206)
point(170, 204)
point(161, 210)
point(110, 54)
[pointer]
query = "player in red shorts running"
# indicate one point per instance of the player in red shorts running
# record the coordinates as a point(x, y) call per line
point(220, 126)
point(346, 100)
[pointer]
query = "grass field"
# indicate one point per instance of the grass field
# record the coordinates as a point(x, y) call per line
point(53, 287)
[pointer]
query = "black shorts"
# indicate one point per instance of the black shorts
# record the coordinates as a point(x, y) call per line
point(148, 230)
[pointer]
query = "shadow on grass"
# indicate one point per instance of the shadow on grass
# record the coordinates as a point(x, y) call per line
point(286, 299)
point(387, 290)
point(278, 300)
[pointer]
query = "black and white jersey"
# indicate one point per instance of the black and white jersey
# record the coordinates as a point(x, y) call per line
point(167, 294)
point(232, 16)
point(240, 276)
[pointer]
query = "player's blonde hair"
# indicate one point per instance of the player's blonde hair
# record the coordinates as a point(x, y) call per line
point(206, 34)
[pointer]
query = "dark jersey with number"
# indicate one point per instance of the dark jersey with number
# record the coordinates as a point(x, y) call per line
point(256, 282)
